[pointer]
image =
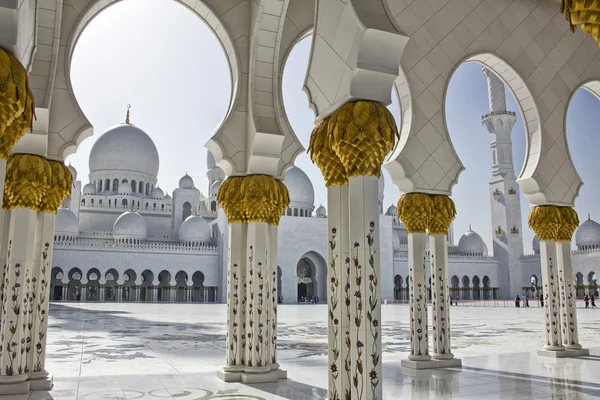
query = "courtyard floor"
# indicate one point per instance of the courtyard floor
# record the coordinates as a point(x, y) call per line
point(171, 351)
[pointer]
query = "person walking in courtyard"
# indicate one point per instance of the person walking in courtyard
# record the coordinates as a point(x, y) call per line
point(587, 301)
point(593, 300)
point(517, 302)
point(526, 301)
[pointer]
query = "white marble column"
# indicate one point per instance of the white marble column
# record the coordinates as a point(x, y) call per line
point(101, 290)
point(338, 294)
point(39, 377)
point(205, 294)
point(570, 332)
point(419, 339)
point(190, 292)
point(83, 291)
point(551, 296)
point(21, 267)
point(273, 295)
point(438, 247)
point(236, 279)
point(65, 290)
point(257, 317)
point(365, 308)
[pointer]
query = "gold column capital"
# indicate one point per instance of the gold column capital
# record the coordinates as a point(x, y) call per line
point(253, 198)
point(415, 211)
point(553, 222)
point(442, 216)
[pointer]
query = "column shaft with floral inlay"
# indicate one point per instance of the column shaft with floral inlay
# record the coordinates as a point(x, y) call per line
point(349, 148)
point(442, 216)
point(568, 305)
point(339, 298)
point(253, 205)
point(545, 222)
point(33, 188)
point(415, 211)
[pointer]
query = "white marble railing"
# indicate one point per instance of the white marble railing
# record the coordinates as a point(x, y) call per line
point(156, 246)
point(401, 252)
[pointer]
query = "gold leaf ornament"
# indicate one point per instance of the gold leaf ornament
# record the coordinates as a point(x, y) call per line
point(568, 225)
point(443, 214)
point(61, 183)
point(17, 108)
point(324, 157)
point(27, 181)
point(584, 14)
point(415, 210)
point(545, 221)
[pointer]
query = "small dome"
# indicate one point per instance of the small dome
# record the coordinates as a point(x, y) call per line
point(588, 234)
point(186, 182)
point(392, 210)
point(472, 243)
point(214, 189)
point(321, 212)
point(124, 148)
point(90, 188)
point(66, 223)
point(157, 193)
point(535, 244)
point(130, 225)
point(194, 229)
point(167, 198)
point(299, 187)
point(73, 172)
point(125, 188)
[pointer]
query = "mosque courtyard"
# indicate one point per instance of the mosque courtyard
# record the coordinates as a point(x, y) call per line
point(157, 351)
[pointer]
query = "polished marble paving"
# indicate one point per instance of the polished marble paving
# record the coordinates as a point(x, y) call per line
point(171, 351)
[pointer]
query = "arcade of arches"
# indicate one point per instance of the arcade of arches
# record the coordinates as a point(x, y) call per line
point(410, 45)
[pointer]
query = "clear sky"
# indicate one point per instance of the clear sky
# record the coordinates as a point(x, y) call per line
point(163, 60)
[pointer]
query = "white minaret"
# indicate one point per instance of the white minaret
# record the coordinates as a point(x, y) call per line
point(504, 191)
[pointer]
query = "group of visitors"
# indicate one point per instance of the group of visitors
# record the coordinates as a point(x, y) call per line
point(522, 301)
point(589, 298)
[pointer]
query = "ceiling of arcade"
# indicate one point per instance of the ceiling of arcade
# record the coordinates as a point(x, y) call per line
point(526, 42)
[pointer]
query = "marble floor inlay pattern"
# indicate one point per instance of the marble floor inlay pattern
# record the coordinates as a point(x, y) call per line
point(171, 351)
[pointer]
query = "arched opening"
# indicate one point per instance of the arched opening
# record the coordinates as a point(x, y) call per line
point(129, 286)
point(74, 289)
point(99, 185)
point(146, 289)
point(124, 203)
point(213, 206)
point(476, 289)
point(532, 290)
point(465, 289)
point(593, 283)
point(198, 287)
point(56, 284)
point(295, 212)
point(164, 286)
point(279, 285)
point(110, 287)
point(115, 186)
point(97, 62)
point(148, 191)
point(486, 287)
point(186, 211)
point(93, 285)
point(181, 279)
point(398, 292)
point(311, 276)
point(141, 188)
point(107, 184)
point(133, 186)
point(579, 285)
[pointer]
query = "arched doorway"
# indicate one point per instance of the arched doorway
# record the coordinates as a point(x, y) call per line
point(593, 283)
point(486, 287)
point(56, 284)
point(398, 288)
point(311, 276)
point(93, 285)
point(181, 286)
point(198, 290)
point(110, 288)
point(129, 288)
point(476, 288)
point(164, 286)
point(74, 290)
point(580, 287)
point(454, 289)
point(146, 290)
point(466, 290)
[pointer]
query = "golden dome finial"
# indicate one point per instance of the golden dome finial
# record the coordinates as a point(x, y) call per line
point(589, 218)
point(127, 121)
point(470, 230)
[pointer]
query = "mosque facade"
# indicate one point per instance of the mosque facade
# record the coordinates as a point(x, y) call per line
point(121, 238)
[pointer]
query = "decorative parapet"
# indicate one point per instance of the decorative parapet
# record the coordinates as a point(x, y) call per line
point(402, 253)
point(94, 244)
point(493, 113)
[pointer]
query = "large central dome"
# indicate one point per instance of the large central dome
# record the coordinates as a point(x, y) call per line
point(124, 148)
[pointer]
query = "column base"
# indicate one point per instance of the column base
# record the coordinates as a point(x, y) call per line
point(15, 385)
point(41, 380)
point(563, 353)
point(247, 376)
point(431, 364)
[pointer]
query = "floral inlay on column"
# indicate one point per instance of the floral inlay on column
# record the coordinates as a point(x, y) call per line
point(334, 282)
point(373, 300)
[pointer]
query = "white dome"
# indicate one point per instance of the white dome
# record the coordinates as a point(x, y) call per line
point(194, 229)
point(588, 234)
point(90, 188)
point(167, 198)
point(321, 212)
point(210, 161)
point(186, 182)
point(125, 188)
point(66, 223)
point(392, 210)
point(73, 172)
point(214, 189)
point(472, 243)
point(157, 193)
point(299, 187)
point(125, 148)
point(535, 244)
point(130, 225)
